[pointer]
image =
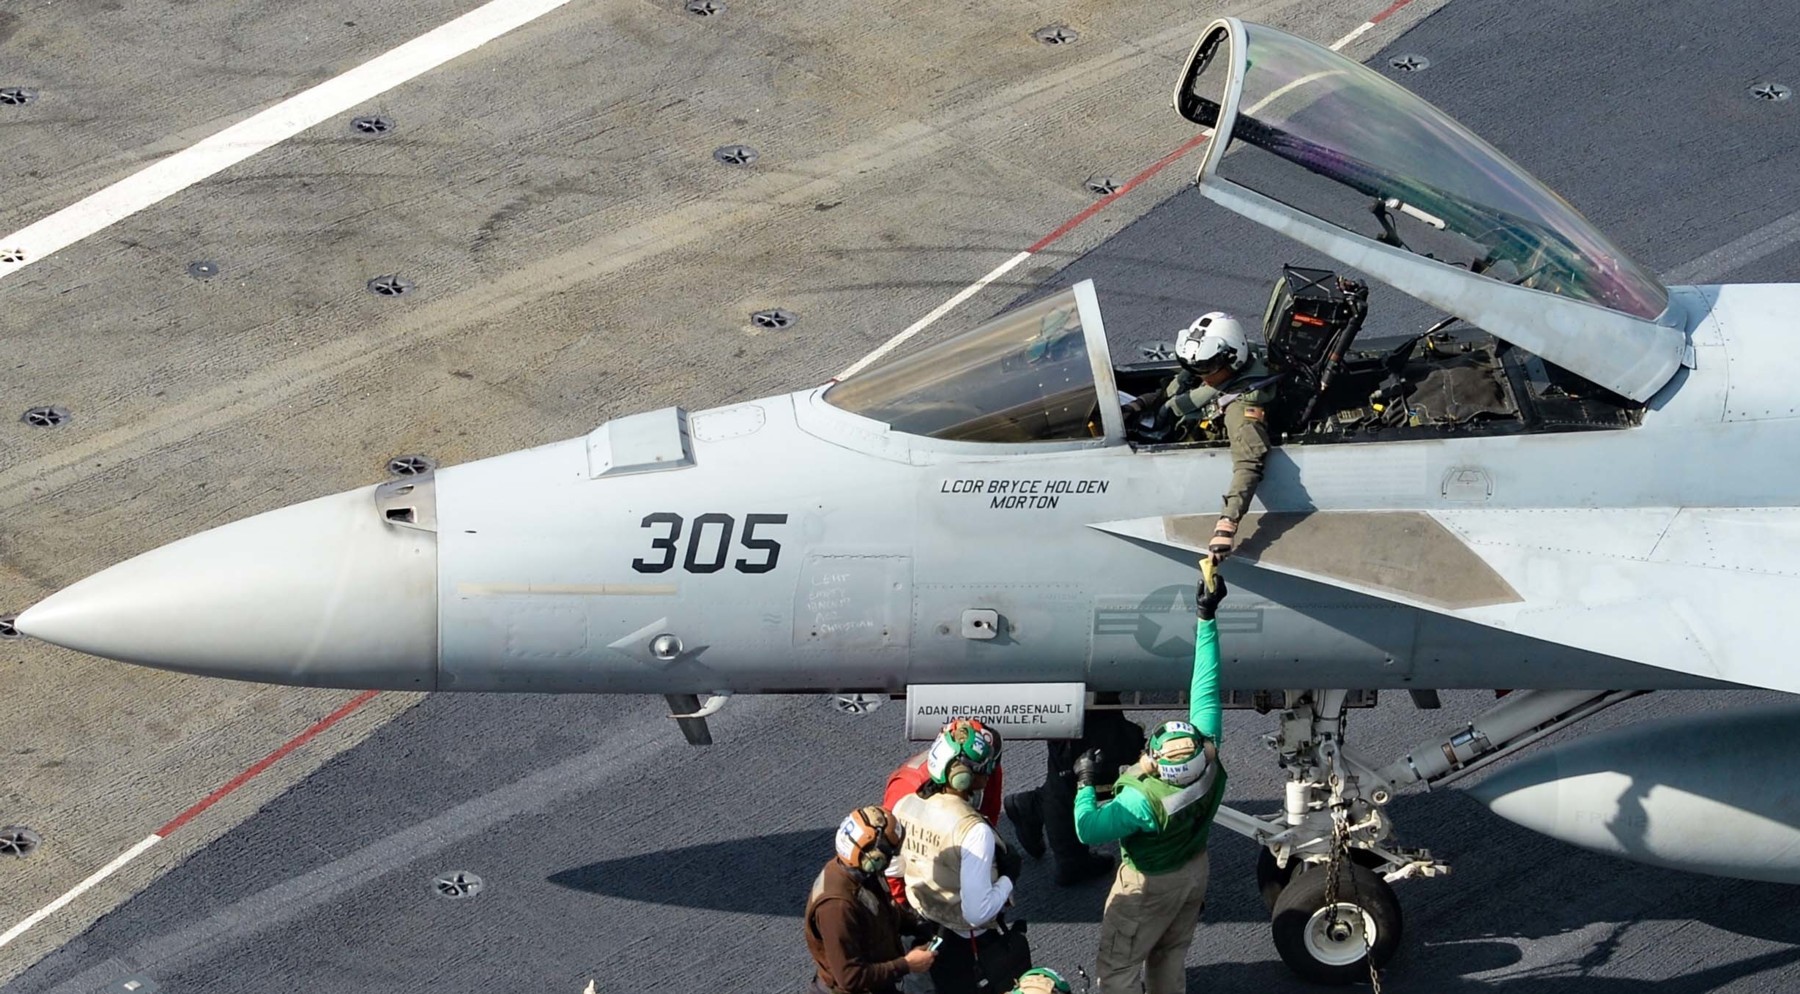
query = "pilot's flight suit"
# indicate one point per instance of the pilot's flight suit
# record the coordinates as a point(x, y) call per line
point(1240, 407)
point(1162, 831)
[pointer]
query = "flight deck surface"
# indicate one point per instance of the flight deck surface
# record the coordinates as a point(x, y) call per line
point(577, 253)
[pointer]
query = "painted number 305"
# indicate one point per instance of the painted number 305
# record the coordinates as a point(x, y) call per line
point(709, 543)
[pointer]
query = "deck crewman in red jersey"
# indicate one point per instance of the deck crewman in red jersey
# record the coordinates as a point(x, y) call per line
point(913, 774)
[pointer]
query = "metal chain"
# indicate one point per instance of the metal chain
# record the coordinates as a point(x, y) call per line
point(1339, 843)
point(1340, 848)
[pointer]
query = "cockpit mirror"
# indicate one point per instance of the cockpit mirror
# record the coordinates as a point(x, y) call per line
point(1202, 83)
point(1206, 93)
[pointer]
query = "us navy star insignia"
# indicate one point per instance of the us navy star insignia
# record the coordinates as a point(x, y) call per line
point(1162, 624)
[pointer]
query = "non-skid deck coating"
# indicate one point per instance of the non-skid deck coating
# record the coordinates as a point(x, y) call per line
point(610, 851)
point(577, 254)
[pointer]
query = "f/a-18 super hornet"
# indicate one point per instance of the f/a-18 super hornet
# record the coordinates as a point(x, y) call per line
point(1551, 489)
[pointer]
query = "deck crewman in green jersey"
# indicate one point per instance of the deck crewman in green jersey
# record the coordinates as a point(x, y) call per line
point(1161, 813)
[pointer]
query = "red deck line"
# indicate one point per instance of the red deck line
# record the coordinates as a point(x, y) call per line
point(267, 761)
point(1095, 207)
point(1384, 15)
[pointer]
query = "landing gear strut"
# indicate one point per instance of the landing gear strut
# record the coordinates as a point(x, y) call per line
point(1329, 856)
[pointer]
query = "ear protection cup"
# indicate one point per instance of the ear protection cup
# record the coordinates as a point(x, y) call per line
point(869, 838)
point(959, 776)
point(963, 750)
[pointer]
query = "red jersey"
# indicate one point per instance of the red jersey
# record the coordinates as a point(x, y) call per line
point(910, 777)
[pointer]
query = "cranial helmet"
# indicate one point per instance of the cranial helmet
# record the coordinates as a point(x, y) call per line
point(1041, 980)
point(964, 749)
point(869, 838)
point(1175, 746)
point(1214, 341)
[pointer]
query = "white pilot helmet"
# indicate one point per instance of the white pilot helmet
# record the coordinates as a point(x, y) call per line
point(1214, 340)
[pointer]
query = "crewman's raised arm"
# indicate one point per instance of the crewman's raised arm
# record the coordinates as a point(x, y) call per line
point(1203, 690)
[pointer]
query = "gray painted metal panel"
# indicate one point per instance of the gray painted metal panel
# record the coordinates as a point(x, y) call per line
point(853, 603)
point(640, 443)
point(1762, 368)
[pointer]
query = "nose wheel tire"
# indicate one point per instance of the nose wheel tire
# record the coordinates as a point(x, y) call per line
point(1271, 879)
point(1332, 944)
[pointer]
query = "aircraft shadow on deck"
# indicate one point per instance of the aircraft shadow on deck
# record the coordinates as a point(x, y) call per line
point(1465, 918)
point(1407, 973)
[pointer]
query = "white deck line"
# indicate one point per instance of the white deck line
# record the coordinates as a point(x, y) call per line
point(284, 120)
point(936, 312)
point(79, 889)
point(1013, 263)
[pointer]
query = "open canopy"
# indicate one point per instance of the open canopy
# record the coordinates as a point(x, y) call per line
point(1346, 161)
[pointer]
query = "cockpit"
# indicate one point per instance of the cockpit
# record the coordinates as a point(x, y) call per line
point(1343, 160)
point(1042, 376)
point(1550, 326)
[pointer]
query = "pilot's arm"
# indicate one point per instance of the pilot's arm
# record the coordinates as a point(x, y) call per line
point(1180, 383)
point(1185, 400)
point(1246, 424)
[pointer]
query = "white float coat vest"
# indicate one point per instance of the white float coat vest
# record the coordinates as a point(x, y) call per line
point(932, 855)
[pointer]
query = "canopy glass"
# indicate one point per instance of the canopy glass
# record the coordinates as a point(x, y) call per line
point(1025, 376)
point(1338, 141)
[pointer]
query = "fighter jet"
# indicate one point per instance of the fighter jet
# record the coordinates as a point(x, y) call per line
point(1565, 486)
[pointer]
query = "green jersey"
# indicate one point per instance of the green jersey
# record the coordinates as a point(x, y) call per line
point(1161, 826)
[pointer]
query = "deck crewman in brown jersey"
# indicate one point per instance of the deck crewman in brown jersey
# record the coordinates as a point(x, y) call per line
point(852, 923)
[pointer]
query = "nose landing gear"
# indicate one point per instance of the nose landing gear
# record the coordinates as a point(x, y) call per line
point(1328, 856)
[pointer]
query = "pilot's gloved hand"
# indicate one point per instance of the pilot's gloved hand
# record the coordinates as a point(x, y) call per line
point(1224, 537)
point(1087, 768)
point(1208, 598)
point(1008, 861)
point(1163, 427)
point(1133, 408)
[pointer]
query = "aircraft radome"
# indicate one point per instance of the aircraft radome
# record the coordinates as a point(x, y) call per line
point(1548, 494)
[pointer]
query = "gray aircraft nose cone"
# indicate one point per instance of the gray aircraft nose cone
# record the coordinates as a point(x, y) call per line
point(321, 594)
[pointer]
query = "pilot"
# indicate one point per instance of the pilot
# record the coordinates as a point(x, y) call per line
point(912, 774)
point(1222, 385)
point(1048, 811)
point(1161, 814)
point(958, 875)
point(852, 923)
